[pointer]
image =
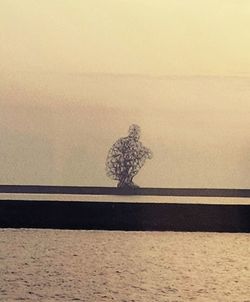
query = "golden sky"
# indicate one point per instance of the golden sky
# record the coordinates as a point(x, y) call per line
point(76, 73)
point(160, 37)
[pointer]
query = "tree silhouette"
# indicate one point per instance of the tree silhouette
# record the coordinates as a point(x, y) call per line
point(126, 157)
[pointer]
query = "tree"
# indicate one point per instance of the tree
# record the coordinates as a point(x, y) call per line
point(126, 157)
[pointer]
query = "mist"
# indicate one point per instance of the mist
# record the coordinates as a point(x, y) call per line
point(57, 128)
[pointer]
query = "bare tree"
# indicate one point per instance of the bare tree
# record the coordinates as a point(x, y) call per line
point(126, 157)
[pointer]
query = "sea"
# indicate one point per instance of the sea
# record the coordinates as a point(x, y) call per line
point(95, 266)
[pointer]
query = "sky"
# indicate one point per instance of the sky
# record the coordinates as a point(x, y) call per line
point(158, 37)
point(76, 74)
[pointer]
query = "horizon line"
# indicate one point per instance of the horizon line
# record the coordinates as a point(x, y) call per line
point(139, 75)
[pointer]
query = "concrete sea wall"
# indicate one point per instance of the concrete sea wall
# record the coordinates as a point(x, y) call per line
point(124, 216)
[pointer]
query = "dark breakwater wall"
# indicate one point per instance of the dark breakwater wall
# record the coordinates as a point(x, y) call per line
point(124, 216)
point(205, 192)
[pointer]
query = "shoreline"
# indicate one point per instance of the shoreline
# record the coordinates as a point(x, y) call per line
point(124, 216)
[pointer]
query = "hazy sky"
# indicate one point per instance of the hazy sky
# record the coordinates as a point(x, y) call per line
point(159, 37)
point(75, 74)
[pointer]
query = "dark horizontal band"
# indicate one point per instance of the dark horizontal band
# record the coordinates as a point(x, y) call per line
point(199, 192)
point(124, 216)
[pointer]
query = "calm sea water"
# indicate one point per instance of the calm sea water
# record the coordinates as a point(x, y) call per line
point(61, 265)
